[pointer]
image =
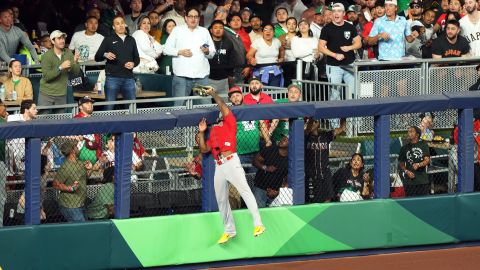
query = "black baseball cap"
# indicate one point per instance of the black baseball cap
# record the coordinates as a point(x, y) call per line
point(85, 99)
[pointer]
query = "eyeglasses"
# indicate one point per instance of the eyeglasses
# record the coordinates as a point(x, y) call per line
point(193, 17)
point(416, 6)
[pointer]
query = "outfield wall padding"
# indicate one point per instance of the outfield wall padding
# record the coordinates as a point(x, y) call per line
point(297, 230)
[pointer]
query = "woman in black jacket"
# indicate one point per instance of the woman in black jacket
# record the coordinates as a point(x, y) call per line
point(348, 182)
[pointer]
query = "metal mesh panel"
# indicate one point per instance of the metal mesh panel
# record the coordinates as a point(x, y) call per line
point(387, 83)
point(163, 139)
point(453, 79)
point(110, 113)
point(60, 116)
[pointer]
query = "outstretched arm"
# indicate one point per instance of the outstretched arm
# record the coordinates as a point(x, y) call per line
point(202, 127)
point(224, 110)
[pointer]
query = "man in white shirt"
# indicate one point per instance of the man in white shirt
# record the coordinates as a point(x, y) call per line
point(317, 23)
point(88, 41)
point(295, 9)
point(470, 25)
point(191, 46)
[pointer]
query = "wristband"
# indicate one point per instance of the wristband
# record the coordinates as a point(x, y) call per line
point(72, 189)
point(264, 167)
point(59, 68)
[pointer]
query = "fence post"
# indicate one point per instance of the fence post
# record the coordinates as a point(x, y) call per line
point(32, 181)
point(296, 164)
point(209, 201)
point(381, 164)
point(123, 169)
point(465, 150)
point(299, 69)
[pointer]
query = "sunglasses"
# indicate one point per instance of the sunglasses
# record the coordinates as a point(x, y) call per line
point(416, 6)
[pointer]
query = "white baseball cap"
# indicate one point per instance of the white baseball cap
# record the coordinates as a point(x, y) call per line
point(57, 34)
point(391, 2)
point(338, 6)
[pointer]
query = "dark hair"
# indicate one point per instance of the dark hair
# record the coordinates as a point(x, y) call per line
point(5, 9)
point(43, 164)
point(455, 14)
point(310, 33)
point(190, 9)
point(269, 24)
point(108, 174)
point(216, 22)
point(10, 66)
point(26, 105)
point(276, 10)
point(361, 157)
point(91, 17)
point(139, 22)
point(454, 22)
point(418, 131)
point(428, 10)
point(292, 18)
point(254, 16)
point(231, 16)
point(46, 36)
point(151, 12)
point(165, 23)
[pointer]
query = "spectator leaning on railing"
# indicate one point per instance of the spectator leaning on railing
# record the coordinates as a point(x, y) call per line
point(57, 64)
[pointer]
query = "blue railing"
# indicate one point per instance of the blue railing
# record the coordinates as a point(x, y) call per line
point(124, 126)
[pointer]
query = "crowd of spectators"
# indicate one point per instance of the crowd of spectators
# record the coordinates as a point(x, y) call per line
point(227, 42)
point(222, 43)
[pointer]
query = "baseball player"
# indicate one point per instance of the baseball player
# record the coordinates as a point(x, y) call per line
point(222, 144)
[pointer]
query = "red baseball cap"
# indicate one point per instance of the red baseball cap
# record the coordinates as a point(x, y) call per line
point(235, 89)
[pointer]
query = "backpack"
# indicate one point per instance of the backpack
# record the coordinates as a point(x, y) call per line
point(239, 54)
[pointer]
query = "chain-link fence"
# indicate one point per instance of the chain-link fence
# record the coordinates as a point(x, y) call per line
point(335, 165)
point(425, 158)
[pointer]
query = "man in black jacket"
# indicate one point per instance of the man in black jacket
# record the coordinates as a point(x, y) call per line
point(120, 51)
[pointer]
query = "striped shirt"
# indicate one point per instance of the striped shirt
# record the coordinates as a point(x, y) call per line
point(10, 40)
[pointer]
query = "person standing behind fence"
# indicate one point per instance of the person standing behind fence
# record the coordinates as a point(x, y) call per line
point(191, 46)
point(390, 32)
point(220, 65)
point(338, 41)
point(71, 182)
point(413, 159)
point(222, 144)
point(318, 177)
point(471, 26)
point(120, 51)
point(265, 55)
point(57, 64)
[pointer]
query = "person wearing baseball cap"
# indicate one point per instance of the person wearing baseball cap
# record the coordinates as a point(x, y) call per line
point(390, 33)
point(338, 42)
point(317, 23)
point(57, 64)
point(91, 145)
point(416, 10)
point(71, 181)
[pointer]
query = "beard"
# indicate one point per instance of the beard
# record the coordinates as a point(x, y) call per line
point(255, 91)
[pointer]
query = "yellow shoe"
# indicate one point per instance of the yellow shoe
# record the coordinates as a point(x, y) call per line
point(258, 230)
point(225, 237)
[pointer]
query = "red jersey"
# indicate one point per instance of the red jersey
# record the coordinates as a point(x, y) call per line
point(245, 39)
point(264, 99)
point(223, 136)
point(366, 31)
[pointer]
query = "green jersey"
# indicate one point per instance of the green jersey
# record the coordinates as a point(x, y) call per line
point(282, 127)
point(248, 137)
point(98, 208)
point(414, 153)
point(69, 172)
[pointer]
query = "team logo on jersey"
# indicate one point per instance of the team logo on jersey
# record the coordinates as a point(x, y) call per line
point(346, 34)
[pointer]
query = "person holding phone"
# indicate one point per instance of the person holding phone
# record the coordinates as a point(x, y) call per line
point(190, 46)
